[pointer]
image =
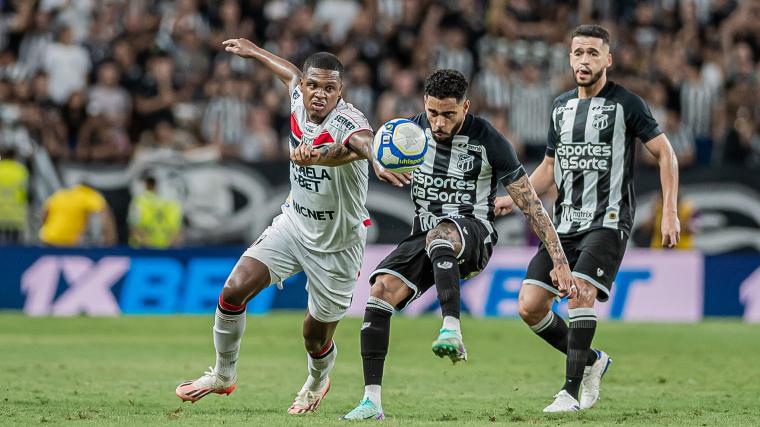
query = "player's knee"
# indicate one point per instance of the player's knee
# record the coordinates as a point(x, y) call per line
point(532, 311)
point(586, 295)
point(441, 232)
point(234, 291)
point(391, 291)
point(435, 234)
point(314, 342)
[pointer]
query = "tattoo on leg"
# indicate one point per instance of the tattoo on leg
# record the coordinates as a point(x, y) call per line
point(446, 230)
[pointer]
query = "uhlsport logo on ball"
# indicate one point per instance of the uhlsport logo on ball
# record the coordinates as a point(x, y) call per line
point(400, 145)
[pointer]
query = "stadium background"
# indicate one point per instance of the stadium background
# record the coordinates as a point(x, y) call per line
point(109, 92)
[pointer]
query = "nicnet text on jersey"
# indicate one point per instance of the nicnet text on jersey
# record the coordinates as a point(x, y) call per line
point(327, 204)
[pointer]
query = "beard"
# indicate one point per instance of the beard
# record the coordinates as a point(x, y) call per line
point(445, 139)
point(594, 78)
point(450, 136)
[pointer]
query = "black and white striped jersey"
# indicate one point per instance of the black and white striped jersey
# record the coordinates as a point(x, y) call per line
point(459, 178)
point(592, 141)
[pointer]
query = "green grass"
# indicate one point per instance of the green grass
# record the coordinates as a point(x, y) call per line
point(117, 371)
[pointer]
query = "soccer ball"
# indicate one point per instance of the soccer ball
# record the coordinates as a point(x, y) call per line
point(400, 145)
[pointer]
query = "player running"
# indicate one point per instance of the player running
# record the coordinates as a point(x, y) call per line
point(321, 231)
point(453, 235)
point(589, 158)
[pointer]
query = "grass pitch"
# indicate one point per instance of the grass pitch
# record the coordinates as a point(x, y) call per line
point(123, 371)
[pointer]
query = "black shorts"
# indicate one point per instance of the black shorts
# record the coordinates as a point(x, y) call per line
point(410, 262)
point(594, 256)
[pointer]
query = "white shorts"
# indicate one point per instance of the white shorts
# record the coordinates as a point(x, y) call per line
point(330, 277)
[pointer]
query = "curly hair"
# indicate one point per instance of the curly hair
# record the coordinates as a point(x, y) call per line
point(446, 83)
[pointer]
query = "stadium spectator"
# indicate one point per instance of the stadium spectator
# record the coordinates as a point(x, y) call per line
point(259, 141)
point(225, 116)
point(532, 102)
point(155, 222)
point(68, 212)
point(742, 145)
point(108, 98)
point(14, 183)
point(67, 65)
point(403, 100)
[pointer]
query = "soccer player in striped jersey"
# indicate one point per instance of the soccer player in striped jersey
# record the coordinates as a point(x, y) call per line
point(321, 231)
point(589, 157)
point(453, 236)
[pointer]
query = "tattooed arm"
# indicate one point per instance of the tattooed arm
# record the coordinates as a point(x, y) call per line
point(525, 198)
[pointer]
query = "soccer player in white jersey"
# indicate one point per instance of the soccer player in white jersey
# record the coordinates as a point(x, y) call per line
point(321, 231)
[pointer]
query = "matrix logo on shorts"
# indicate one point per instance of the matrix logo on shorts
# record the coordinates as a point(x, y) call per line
point(584, 156)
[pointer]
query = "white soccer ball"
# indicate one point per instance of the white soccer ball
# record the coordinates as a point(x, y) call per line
point(400, 145)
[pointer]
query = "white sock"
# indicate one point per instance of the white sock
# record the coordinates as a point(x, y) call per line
point(452, 323)
point(320, 368)
point(228, 330)
point(372, 392)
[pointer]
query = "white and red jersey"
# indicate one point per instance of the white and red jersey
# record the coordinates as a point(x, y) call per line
point(326, 204)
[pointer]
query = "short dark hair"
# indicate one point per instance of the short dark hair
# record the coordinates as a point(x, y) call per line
point(446, 83)
point(323, 61)
point(150, 181)
point(592, 30)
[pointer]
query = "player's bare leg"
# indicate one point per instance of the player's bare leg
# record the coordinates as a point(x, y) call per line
point(580, 334)
point(535, 308)
point(245, 281)
point(321, 354)
point(442, 244)
point(387, 292)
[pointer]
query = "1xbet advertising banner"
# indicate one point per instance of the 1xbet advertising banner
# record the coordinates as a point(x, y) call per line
point(650, 286)
point(660, 286)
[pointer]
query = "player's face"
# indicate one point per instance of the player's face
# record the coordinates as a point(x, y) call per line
point(589, 58)
point(445, 116)
point(321, 91)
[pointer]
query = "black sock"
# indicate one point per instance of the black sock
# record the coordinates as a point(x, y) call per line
point(579, 337)
point(375, 334)
point(446, 275)
point(553, 330)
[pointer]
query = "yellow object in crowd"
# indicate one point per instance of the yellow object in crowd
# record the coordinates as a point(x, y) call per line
point(14, 178)
point(67, 212)
point(155, 221)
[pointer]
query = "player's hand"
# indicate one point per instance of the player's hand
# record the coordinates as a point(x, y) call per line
point(671, 230)
point(240, 47)
point(393, 178)
point(305, 155)
point(503, 205)
point(563, 279)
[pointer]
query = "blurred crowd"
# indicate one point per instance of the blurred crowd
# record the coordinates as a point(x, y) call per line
point(105, 81)
point(98, 81)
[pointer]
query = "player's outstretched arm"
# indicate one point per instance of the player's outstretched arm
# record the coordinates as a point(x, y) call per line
point(282, 68)
point(358, 147)
point(363, 146)
point(660, 148)
point(334, 154)
point(542, 180)
point(527, 200)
